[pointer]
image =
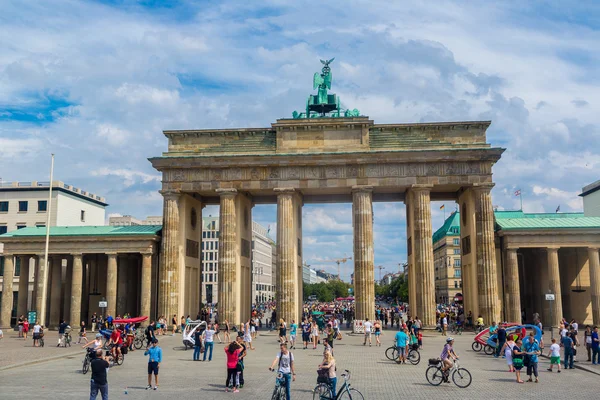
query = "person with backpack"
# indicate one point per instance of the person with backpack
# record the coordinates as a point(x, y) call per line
point(285, 361)
point(568, 345)
point(532, 350)
point(232, 351)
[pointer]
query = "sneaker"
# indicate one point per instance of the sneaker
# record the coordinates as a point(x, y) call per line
point(241, 386)
point(155, 387)
point(558, 371)
point(227, 389)
point(148, 387)
point(235, 391)
point(549, 369)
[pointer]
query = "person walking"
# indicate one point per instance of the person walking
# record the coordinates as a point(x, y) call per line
point(305, 326)
point(554, 355)
point(377, 327)
point(595, 346)
point(587, 339)
point(507, 349)
point(99, 381)
point(25, 328)
point(401, 338)
point(174, 323)
point(567, 343)
point(208, 342)
point(36, 333)
point(517, 358)
point(232, 351)
point(285, 361)
point(367, 326)
point(315, 334)
point(82, 334)
point(154, 354)
point(226, 336)
point(197, 344)
point(293, 329)
point(532, 350)
point(501, 336)
point(282, 331)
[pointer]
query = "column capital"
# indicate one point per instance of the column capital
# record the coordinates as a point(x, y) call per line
point(421, 188)
point(75, 254)
point(225, 192)
point(147, 253)
point(362, 188)
point(111, 253)
point(552, 249)
point(288, 190)
point(511, 249)
point(482, 187)
point(5, 254)
point(593, 248)
point(170, 194)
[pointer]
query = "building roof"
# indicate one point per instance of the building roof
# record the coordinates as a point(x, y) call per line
point(591, 188)
point(57, 186)
point(86, 231)
point(515, 220)
point(451, 227)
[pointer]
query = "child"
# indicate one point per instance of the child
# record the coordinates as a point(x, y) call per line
point(420, 339)
point(554, 354)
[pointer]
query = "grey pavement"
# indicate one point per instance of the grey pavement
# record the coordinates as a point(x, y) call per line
point(372, 373)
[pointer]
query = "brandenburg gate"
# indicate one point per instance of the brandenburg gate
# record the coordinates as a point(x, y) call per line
point(325, 155)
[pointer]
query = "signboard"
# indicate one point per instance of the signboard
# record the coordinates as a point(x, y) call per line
point(550, 296)
point(103, 304)
point(359, 326)
point(32, 317)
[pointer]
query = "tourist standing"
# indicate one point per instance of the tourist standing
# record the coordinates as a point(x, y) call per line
point(99, 381)
point(94, 319)
point(226, 335)
point(367, 326)
point(507, 349)
point(25, 328)
point(232, 351)
point(517, 358)
point(401, 339)
point(595, 346)
point(154, 354)
point(315, 334)
point(532, 350)
point(240, 364)
point(416, 325)
point(36, 333)
point(285, 362)
point(554, 355)
point(293, 329)
point(248, 336)
point(20, 323)
point(282, 331)
point(174, 323)
point(377, 327)
point(305, 333)
point(587, 339)
point(208, 342)
point(501, 340)
point(197, 344)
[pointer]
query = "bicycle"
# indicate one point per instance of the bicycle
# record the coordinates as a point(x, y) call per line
point(138, 341)
point(118, 360)
point(87, 361)
point(413, 356)
point(435, 376)
point(279, 390)
point(66, 339)
point(323, 391)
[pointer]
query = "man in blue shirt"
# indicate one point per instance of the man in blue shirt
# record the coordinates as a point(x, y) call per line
point(154, 354)
point(532, 349)
point(567, 343)
point(595, 346)
point(401, 339)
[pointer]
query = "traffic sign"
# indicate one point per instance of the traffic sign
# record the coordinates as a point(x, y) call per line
point(550, 296)
point(103, 304)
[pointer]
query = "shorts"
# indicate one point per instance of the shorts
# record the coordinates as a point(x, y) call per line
point(377, 333)
point(36, 336)
point(367, 335)
point(153, 368)
point(555, 360)
point(305, 337)
point(402, 351)
point(293, 338)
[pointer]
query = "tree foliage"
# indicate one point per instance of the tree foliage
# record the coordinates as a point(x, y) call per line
point(397, 289)
point(326, 291)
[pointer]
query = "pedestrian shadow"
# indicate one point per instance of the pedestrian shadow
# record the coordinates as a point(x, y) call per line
point(501, 379)
point(136, 387)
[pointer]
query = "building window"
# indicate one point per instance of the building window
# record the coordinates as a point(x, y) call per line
point(457, 262)
point(456, 251)
point(455, 284)
point(21, 226)
point(23, 206)
point(1, 266)
point(3, 229)
point(40, 224)
point(456, 242)
point(42, 205)
point(3, 206)
point(457, 273)
point(82, 215)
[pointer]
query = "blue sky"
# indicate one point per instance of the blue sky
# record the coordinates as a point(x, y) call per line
point(97, 81)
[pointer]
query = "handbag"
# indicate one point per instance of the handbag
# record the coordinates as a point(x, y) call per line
point(518, 362)
point(339, 336)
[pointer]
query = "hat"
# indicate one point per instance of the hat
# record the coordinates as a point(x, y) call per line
point(98, 335)
point(450, 339)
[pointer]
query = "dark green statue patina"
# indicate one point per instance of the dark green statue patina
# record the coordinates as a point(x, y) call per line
point(323, 104)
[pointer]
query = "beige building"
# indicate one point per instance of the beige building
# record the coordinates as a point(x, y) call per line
point(128, 220)
point(591, 199)
point(446, 258)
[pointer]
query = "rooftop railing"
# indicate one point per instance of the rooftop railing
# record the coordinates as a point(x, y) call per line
point(59, 184)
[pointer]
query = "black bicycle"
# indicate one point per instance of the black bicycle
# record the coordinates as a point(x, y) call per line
point(413, 356)
point(87, 361)
point(324, 391)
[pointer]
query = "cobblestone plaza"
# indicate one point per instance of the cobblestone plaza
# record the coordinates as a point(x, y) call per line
point(372, 374)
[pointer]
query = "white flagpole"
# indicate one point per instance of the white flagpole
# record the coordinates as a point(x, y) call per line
point(42, 312)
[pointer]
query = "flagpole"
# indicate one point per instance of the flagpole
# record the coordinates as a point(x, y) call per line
point(521, 198)
point(42, 311)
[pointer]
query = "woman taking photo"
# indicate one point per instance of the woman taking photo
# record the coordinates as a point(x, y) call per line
point(232, 351)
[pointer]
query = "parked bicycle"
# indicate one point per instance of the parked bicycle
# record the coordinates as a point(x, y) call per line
point(435, 376)
point(323, 391)
point(138, 340)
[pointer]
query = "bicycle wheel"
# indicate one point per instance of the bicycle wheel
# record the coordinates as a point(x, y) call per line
point(138, 343)
point(489, 350)
point(69, 341)
point(434, 375)
point(278, 393)
point(322, 391)
point(476, 346)
point(414, 357)
point(119, 360)
point(86, 366)
point(461, 378)
point(391, 353)
point(351, 394)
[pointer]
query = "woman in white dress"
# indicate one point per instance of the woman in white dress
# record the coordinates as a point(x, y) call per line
point(508, 352)
point(248, 336)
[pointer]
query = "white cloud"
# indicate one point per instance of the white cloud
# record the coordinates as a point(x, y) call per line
point(114, 136)
point(129, 177)
point(12, 148)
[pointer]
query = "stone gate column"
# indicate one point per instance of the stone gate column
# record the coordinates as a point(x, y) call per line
point(364, 258)
point(7, 291)
point(168, 287)
point(554, 285)
point(287, 250)
point(594, 264)
point(111, 284)
point(41, 291)
point(227, 307)
point(513, 293)
point(145, 292)
point(487, 278)
point(23, 287)
point(55, 291)
point(424, 273)
point(76, 289)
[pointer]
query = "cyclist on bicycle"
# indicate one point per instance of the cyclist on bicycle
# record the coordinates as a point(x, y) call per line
point(480, 323)
point(447, 354)
point(115, 342)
